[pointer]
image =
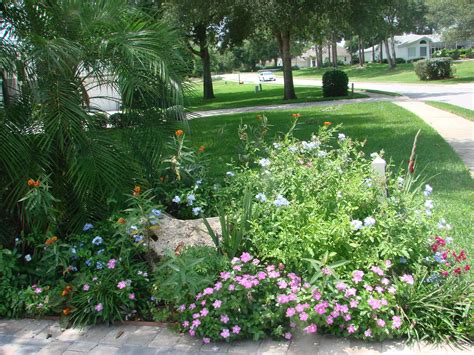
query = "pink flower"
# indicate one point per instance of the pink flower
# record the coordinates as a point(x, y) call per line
point(38, 290)
point(218, 286)
point(407, 279)
point(303, 316)
point(287, 336)
point(131, 296)
point(185, 324)
point(347, 317)
point(273, 274)
point(99, 307)
point(208, 291)
point(368, 333)
point(377, 270)
point(235, 260)
point(224, 318)
point(396, 322)
point(385, 281)
point(326, 271)
point(206, 340)
point(192, 332)
point(122, 285)
point(225, 333)
point(261, 275)
point(316, 295)
point(380, 323)
point(196, 315)
point(379, 289)
point(388, 263)
point(231, 287)
point(237, 267)
point(86, 287)
point(384, 302)
point(392, 290)
point(182, 308)
point(255, 261)
point(204, 312)
point(282, 299)
point(374, 303)
point(270, 268)
point(203, 303)
point(351, 329)
point(299, 308)
point(290, 312)
point(368, 288)
point(320, 308)
point(111, 263)
point(329, 320)
point(225, 275)
point(312, 328)
point(245, 257)
point(350, 292)
point(341, 286)
point(354, 303)
point(357, 276)
point(282, 284)
point(196, 323)
point(217, 304)
point(236, 329)
point(192, 306)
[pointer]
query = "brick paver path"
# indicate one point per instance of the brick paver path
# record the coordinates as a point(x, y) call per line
point(27, 336)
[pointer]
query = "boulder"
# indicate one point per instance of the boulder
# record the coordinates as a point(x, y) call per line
point(172, 233)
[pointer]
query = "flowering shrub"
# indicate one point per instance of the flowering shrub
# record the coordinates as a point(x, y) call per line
point(241, 304)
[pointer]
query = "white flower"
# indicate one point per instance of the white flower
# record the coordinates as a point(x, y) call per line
point(442, 223)
point(428, 212)
point(197, 211)
point(230, 173)
point(309, 145)
point(368, 182)
point(428, 190)
point(356, 225)
point(400, 181)
point(449, 240)
point(322, 153)
point(264, 162)
point(293, 149)
point(176, 199)
point(281, 201)
point(261, 197)
point(341, 136)
point(28, 257)
point(276, 145)
point(369, 221)
point(374, 155)
point(429, 204)
point(198, 183)
point(339, 194)
point(191, 198)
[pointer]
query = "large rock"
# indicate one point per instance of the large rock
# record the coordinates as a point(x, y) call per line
point(172, 233)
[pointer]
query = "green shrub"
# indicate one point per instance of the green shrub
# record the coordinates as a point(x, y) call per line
point(400, 61)
point(335, 83)
point(433, 69)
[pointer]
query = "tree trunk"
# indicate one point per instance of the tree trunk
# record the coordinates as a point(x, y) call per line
point(283, 39)
point(373, 53)
point(206, 73)
point(334, 52)
point(275, 61)
point(329, 54)
point(5, 89)
point(394, 54)
point(380, 53)
point(361, 52)
point(389, 57)
point(320, 56)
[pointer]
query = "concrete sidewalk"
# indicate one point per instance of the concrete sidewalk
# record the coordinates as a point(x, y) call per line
point(27, 336)
point(457, 131)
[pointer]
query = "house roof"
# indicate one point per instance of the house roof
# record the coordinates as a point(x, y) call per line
point(341, 52)
point(407, 39)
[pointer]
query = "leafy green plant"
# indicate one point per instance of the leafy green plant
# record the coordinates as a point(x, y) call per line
point(433, 69)
point(335, 83)
point(235, 230)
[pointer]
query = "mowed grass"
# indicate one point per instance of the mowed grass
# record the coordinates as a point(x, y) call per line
point(460, 111)
point(382, 125)
point(232, 95)
point(403, 73)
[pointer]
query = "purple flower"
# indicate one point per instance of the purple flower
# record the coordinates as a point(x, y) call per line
point(99, 307)
point(131, 296)
point(374, 303)
point(225, 275)
point(245, 257)
point(407, 279)
point(303, 316)
point(290, 312)
point(122, 284)
point(287, 336)
point(236, 329)
point(224, 318)
point(217, 304)
point(182, 308)
point(206, 340)
point(357, 276)
point(377, 270)
point(204, 312)
point(86, 287)
point(282, 284)
point(225, 333)
point(341, 286)
point(111, 263)
point(380, 323)
point(196, 323)
point(351, 329)
point(350, 292)
point(368, 333)
point(312, 328)
point(192, 306)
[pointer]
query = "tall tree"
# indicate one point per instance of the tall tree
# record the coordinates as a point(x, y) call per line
point(453, 18)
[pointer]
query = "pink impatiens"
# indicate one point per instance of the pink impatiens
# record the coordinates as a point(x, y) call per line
point(407, 279)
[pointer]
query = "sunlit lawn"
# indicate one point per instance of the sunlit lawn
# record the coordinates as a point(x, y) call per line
point(460, 111)
point(231, 95)
point(403, 73)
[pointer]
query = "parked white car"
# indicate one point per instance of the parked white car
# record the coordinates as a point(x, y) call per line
point(266, 76)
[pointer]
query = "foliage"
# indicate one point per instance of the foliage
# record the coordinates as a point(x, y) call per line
point(179, 277)
point(454, 53)
point(335, 83)
point(434, 69)
point(453, 18)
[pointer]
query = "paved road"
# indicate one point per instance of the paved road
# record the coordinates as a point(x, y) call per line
point(27, 336)
point(456, 94)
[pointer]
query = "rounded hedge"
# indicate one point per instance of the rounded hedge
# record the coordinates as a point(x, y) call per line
point(335, 83)
point(433, 69)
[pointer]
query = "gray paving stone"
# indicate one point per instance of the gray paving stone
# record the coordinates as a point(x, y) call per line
point(215, 348)
point(19, 349)
point(6, 339)
point(52, 331)
point(165, 338)
point(104, 350)
point(97, 333)
point(72, 334)
point(143, 336)
point(55, 348)
point(118, 335)
point(305, 344)
point(244, 347)
point(269, 346)
point(359, 347)
point(83, 346)
point(333, 345)
point(70, 352)
point(135, 350)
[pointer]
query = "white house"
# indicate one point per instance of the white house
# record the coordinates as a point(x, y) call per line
point(408, 47)
point(308, 58)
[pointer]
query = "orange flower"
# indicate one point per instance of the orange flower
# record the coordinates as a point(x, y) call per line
point(201, 149)
point(179, 133)
point(37, 183)
point(51, 240)
point(31, 182)
point(66, 290)
point(136, 190)
point(121, 220)
point(66, 311)
point(327, 123)
point(295, 115)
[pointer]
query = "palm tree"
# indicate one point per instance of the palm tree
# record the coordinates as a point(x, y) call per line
point(58, 49)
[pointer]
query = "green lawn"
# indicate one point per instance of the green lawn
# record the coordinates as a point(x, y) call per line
point(231, 95)
point(403, 73)
point(460, 111)
point(383, 125)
